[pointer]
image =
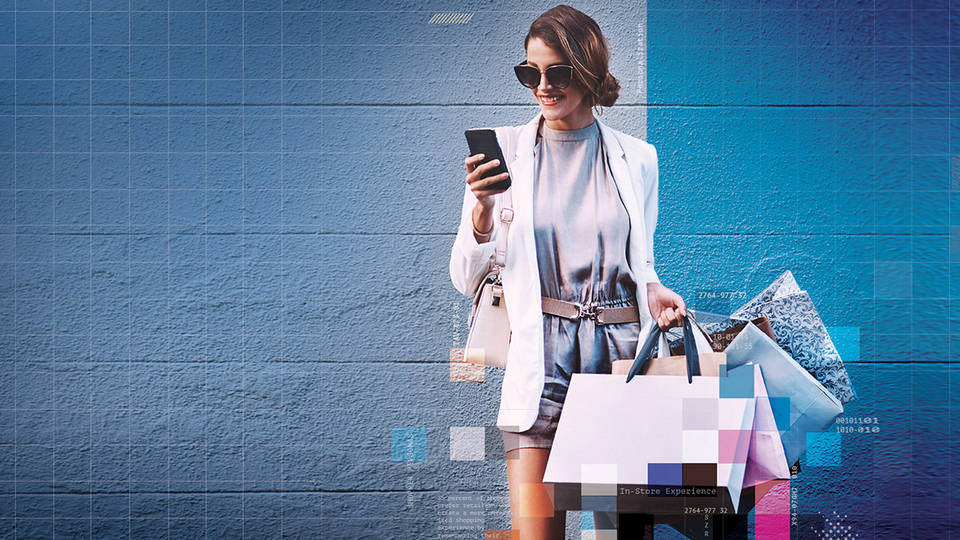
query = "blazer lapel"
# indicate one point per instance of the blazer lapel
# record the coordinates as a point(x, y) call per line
point(618, 167)
point(638, 228)
point(525, 281)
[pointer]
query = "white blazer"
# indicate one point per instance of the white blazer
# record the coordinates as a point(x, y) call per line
point(634, 166)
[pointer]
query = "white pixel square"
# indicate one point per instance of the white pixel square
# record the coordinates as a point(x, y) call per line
point(467, 443)
point(598, 479)
point(732, 413)
point(700, 446)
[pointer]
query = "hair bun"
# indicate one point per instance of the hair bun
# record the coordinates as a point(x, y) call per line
point(609, 91)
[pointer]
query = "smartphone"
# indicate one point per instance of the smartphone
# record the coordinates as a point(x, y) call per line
point(484, 141)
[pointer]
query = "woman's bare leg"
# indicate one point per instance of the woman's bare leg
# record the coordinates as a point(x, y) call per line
point(531, 503)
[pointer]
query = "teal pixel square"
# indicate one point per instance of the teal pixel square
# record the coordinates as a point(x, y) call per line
point(586, 521)
point(847, 341)
point(738, 383)
point(823, 449)
point(781, 412)
point(409, 444)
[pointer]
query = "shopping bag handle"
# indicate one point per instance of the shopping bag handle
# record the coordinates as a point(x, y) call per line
point(689, 349)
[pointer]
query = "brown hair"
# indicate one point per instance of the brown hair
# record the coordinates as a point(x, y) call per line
point(578, 38)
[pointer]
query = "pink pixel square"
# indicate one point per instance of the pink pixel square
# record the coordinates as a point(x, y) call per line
point(734, 444)
point(772, 526)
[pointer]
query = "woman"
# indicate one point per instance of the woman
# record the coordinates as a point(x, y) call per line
point(585, 202)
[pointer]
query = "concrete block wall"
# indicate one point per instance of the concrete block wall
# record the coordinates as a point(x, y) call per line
point(226, 223)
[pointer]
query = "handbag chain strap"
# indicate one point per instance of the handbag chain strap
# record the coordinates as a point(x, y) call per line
point(506, 218)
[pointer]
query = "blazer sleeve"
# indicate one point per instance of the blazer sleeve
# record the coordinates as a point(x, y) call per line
point(469, 260)
point(650, 203)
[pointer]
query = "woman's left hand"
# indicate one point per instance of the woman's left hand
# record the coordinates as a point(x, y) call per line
point(666, 306)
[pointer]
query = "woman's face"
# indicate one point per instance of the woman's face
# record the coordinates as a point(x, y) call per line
point(568, 110)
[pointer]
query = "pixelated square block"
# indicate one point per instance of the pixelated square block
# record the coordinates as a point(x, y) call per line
point(537, 499)
point(467, 443)
point(474, 355)
point(598, 534)
point(781, 412)
point(738, 383)
point(699, 446)
point(509, 439)
point(724, 470)
point(700, 413)
point(847, 341)
point(463, 371)
point(493, 440)
point(730, 471)
point(586, 521)
point(955, 243)
point(600, 521)
point(700, 474)
point(776, 500)
point(893, 279)
point(605, 503)
point(955, 172)
point(823, 449)
point(598, 479)
point(409, 444)
point(733, 445)
point(771, 526)
point(733, 413)
point(667, 474)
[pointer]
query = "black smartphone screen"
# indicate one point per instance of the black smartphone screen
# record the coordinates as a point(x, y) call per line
point(484, 141)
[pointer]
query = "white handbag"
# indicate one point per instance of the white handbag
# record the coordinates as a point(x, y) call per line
point(489, 337)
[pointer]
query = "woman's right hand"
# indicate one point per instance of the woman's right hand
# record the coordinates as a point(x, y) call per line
point(480, 185)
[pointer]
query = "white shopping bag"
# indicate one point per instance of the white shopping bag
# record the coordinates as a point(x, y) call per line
point(665, 438)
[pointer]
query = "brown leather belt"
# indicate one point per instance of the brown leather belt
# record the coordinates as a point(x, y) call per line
point(601, 315)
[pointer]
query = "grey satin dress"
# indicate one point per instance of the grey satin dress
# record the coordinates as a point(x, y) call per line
point(581, 229)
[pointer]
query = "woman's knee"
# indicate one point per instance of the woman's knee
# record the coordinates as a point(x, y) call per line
point(528, 493)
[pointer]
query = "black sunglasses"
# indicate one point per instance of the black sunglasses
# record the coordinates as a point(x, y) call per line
point(558, 75)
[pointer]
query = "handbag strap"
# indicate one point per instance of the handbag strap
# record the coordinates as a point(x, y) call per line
point(506, 218)
point(689, 347)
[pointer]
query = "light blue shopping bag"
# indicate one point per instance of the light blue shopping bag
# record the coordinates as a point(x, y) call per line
point(805, 405)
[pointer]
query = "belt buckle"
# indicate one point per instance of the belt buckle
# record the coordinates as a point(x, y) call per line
point(589, 311)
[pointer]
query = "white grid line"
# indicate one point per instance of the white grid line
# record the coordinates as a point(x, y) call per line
point(90, 266)
point(875, 226)
point(285, 416)
point(206, 318)
point(169, 322)
point(243, 248)
point(950, 157)
point(16, 307)
point(130, 362)
point(56, 405)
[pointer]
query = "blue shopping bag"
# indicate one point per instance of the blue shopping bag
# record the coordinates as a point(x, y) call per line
point(800, 403)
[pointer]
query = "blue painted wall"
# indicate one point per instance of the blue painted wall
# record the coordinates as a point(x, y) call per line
point(220, 217)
